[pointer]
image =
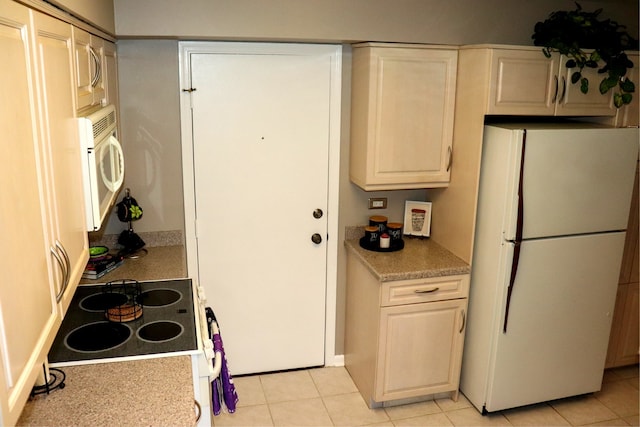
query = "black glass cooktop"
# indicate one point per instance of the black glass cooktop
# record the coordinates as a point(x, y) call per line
point(158, 318)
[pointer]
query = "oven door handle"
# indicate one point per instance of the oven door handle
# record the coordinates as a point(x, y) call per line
point(215, 357)
point(207, 343)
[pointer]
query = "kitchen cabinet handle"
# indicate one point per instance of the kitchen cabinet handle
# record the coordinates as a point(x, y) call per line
point(450, 154)
point(426, 291)
point(555, 94)
point(66, 269)
point(564, 89)
point(63, 269)
point(97, 65)
point(464, 320)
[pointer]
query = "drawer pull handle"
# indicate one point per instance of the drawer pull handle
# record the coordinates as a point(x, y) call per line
point(425, 291)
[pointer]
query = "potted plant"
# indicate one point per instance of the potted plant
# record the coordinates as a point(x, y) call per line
point(586, 41)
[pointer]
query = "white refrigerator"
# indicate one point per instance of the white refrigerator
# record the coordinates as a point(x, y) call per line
point(551, 217)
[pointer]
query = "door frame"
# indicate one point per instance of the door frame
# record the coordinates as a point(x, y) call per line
point(186, 49)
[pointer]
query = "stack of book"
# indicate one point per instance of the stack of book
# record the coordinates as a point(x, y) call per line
point(98, 267)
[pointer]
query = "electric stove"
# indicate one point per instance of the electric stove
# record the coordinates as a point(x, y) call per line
point(126, 318)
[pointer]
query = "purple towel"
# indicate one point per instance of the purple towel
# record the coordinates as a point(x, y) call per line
point(229, 394)
point(215, 397)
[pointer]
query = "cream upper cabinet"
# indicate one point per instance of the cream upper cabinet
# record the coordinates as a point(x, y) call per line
point(402, 105)
point(110, 73)
point(61, 149)
point(29, 317)
point(404, 338)
point(88, 64)
point(524, 82)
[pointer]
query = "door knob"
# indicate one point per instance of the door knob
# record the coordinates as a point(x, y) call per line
point(316, 238)
point(318, 213)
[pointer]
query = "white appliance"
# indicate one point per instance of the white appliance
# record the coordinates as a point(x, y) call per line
point(552, 211)
point(103, 168)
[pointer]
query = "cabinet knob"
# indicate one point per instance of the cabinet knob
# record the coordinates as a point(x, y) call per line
point(316, 238)
point(318, 213)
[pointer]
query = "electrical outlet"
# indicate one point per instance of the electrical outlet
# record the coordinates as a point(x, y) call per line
point(378, 203)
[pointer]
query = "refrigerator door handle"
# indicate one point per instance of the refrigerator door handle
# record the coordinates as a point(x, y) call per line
point(518, 240)
point(512, 279)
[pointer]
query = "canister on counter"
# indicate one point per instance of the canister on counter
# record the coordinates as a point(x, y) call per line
point(379, 221)
point(372, 234)
point(385, 241)
point(395, 231)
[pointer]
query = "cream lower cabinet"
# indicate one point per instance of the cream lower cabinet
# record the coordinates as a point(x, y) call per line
point(41, 248)
point(404, 339)
point(525, 82)
point(402, 103)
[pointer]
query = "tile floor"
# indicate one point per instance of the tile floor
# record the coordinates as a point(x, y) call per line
point(328, 397)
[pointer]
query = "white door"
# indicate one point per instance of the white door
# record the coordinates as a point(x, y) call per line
point(261, 159)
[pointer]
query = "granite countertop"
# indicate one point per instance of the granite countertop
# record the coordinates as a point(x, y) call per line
point(420, 258)
point(160, 262)
point(149, 392)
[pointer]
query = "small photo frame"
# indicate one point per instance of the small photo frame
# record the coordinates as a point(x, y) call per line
point(417, 218)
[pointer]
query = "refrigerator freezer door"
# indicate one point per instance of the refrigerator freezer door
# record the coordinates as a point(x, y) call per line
point(559, 321)
point(575, 181)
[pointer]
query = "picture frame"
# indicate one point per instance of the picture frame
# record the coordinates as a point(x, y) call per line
point(417, 218)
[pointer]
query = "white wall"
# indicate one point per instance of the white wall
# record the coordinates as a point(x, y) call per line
point(98, 12)
point(423, 21)
point(150, 127)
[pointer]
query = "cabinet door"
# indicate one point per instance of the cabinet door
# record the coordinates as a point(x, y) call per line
point(402, 117)
point(572, 102)
point(97, 54)
point(523, 82)
point(420, 349)
point(627, 351)
point(110, 74)
point(62, 148)
point(82, 68)
point(623, 341)
point(28, 316)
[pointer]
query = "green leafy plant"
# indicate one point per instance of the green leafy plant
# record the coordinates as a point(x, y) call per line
point(588, 41)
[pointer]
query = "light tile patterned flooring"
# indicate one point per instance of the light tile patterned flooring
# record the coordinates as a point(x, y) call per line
point(328, 397)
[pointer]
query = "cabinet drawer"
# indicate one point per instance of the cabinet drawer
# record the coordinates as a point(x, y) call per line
point(423, 290)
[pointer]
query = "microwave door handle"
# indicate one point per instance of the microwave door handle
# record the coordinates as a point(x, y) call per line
point(119, 179)
point(113, 183)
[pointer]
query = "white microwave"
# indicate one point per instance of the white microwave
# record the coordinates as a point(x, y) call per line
point(102, 165)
